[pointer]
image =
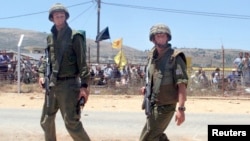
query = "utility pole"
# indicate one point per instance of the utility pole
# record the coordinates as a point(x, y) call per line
point(98, 29)
point(89, 54)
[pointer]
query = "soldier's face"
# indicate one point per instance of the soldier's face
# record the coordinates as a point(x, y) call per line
point(59, 18)
point(161, 39)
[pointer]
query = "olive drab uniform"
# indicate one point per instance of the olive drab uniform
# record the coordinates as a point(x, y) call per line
point(67, 56)
point(165, 72)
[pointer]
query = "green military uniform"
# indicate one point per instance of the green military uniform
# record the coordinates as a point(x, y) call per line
point(170, 72)
point(65, 84)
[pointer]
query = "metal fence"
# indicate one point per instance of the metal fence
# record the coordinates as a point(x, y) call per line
point(133, 85)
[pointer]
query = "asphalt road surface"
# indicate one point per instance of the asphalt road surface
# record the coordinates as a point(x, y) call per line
point(23, 125)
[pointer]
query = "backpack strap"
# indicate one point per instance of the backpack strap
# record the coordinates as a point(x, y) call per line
point(82, 33)
point(51, 52)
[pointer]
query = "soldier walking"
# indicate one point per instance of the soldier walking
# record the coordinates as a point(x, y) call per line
point(166, 85)
point(67, 71)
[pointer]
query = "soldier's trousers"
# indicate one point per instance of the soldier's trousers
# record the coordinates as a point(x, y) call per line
point(63, 97)
point(157, 122)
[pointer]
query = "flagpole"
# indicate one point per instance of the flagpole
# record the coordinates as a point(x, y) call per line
point(120, 63)
point(119, 59)
point(89, 54)
point(112, 51)
point(98, 29)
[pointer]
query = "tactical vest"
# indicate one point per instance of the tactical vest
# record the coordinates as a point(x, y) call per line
point(55, 65)
point(164, 77)
point(173, 59)
point(170, 61)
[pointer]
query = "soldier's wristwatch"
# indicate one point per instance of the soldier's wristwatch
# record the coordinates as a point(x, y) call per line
point(181, 108)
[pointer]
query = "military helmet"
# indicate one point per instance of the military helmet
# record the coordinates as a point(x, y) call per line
point(58, 7)
point(159, 28)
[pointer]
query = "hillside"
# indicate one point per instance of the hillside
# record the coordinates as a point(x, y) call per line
point(9, 38)
point(211, 57)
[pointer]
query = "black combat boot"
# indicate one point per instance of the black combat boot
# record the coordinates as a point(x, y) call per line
point(163, 137)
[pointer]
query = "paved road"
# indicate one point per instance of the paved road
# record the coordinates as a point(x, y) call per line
point(112, 126)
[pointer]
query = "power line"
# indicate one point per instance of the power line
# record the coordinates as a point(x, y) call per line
point(232, 16)
point(23, 15)
point(80, 14)
point(36, 13)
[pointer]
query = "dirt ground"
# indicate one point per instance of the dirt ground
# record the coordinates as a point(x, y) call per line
point(99, 102)
point(120, 103)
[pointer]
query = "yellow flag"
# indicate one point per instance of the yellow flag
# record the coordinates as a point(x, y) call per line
point(120, 59)
point(117, 43)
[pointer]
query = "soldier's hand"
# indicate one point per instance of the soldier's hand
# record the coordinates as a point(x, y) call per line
point(143, 90)
point(41, 82)
point(84, 92)
point(179, 117)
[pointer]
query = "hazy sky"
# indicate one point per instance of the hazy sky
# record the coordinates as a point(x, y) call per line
point(206, 24)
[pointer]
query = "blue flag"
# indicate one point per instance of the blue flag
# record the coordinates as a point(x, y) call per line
point(103, 35)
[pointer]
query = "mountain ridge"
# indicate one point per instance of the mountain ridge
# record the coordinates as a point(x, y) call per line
point(9, 38)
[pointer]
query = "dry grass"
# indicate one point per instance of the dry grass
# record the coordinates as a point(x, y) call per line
point(24, 88)
point(240, 92)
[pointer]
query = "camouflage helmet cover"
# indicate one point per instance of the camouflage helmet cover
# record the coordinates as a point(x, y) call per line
point(58, 7)
point(159, 28)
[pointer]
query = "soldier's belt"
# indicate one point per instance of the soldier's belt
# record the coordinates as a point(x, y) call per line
point(65, 78)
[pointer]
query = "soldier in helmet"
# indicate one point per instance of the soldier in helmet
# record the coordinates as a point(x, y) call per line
point(167, 81)
point(68, 77)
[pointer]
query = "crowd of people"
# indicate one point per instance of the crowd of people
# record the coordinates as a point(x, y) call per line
point(200, 80)
point(112, 75)
point(4, 58)
point(6, 65)
point(242, 66)
point(239, 75)
point(28, 69)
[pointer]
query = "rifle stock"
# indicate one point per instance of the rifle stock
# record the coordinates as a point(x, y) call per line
point(146, 105)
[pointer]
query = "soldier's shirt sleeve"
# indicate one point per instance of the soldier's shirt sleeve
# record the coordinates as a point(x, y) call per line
point(80, 50)
point(181, 71)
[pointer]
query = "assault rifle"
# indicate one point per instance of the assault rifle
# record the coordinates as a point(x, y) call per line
point(47, 76)
point(147, 105)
